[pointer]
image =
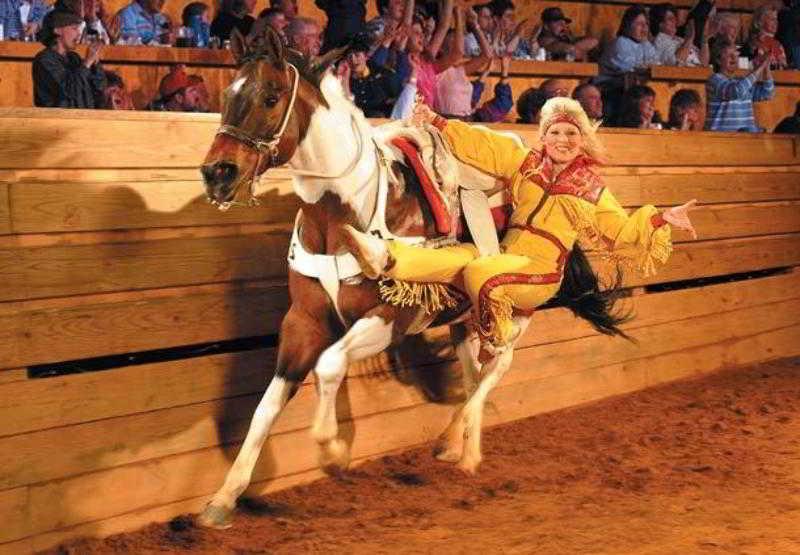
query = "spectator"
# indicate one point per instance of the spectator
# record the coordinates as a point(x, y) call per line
point(529, 104)
point(700, 16)
point(200, 91)
point(762, 43)
point(273, 17)
point(177, 93)
point(21, 19)
point(483, 23)
point(789, 31)
point(373, 87)
point(558, 41)
point(625, 56)
point(508, 38)
point(97, 22)
point(790, 124)
point(345, 19)
point(392, 13)
point(116, 95)
point(638, 109)
point(233, 14)
point(590, 99)
point(554, 87)
point(685, 111)
point(670, 48)
point(425, 57)
point(303, 35)
point(729, 101)
point(61, 79)
point(195, 17)
point(726, 28)
point(288, 7)
point(497, 108)
point(142, 22)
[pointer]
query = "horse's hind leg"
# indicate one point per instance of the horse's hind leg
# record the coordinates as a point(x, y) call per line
point(367, 337)
point(467, 347)
point(296, 355)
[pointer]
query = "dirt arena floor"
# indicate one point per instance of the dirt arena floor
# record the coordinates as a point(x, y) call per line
point(710, 465)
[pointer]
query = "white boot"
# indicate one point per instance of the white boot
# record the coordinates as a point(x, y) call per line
point(370, 251)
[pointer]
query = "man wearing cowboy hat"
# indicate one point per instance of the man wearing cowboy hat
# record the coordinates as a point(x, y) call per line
point(557, 39)
point(61, 79)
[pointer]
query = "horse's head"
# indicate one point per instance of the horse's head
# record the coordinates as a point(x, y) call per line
point(266, 113)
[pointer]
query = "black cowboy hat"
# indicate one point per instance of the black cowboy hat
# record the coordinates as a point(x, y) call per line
point(552, 14)
point(55, 20)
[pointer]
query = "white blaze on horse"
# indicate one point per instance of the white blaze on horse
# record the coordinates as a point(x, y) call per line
point(283, 109)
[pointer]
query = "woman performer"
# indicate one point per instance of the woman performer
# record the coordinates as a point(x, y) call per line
point(557, 197)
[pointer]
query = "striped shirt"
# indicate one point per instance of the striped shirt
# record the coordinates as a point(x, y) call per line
point(10, 17)
point(135, 21)
point(730, 102)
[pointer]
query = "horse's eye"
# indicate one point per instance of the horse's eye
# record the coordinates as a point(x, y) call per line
point(271, 101)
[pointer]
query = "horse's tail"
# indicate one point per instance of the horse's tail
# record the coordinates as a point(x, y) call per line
point(580, 292)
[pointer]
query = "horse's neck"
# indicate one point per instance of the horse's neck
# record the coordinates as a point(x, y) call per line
point(338, 140)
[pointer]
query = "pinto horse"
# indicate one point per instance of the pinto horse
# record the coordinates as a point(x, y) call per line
point(283, 109)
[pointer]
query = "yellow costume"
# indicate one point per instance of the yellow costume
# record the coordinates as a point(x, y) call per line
point(549, 214)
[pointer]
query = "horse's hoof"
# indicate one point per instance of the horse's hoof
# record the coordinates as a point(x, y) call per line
point(334, 457)
point(447, 454)
point(217, 517)
point(469, 466)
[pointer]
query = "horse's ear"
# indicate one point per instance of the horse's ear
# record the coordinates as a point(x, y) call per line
point(239, 47)
point(274, 45)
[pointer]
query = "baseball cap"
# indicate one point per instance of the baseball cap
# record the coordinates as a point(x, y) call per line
point(554, 14)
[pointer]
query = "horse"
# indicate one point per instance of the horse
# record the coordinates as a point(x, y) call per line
point(282, 108)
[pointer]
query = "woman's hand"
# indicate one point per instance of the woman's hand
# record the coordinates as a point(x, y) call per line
point(678, 216)
point(421, 113)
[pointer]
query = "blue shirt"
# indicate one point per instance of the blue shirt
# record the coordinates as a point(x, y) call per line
point(135, 21)
point(730, 102)
point(625, 55)
point(11, 20)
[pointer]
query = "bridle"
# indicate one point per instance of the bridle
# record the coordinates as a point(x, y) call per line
point(269, 147)
point(263, 146)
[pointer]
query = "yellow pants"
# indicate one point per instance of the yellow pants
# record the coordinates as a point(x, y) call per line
point(497, 285)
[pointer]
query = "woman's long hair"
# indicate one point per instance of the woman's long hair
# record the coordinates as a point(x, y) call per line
point(580, 292)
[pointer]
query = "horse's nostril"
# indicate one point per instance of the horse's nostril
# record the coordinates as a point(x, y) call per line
point(219, 173)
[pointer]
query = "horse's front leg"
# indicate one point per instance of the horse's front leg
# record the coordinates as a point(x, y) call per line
point(302, 340)
point(472, 412)
point(467, 346)
point(367, 337)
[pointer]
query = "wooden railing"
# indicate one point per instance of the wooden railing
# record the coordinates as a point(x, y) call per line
point(107, 247)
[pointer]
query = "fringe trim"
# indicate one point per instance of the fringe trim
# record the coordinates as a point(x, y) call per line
point(431, 297)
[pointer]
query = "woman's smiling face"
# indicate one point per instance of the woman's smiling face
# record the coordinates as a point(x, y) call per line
point(563, 142)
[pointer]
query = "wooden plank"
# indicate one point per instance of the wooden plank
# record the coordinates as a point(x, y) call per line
point(743, 220)
point(708, 185)
point(107, 443)
point(51, 207)
point(62, 270)
point(65, 503)
point(5, 210)
point(65, 400)
point(65, 329)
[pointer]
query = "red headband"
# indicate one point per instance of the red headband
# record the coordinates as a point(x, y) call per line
point(562, 117)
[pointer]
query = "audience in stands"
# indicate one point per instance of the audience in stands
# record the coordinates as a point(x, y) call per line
point(392, 15)
point(425, 56)
point(98, 25)
point(557, 40)
point(195, 18)
point(61, 79)
point(200, 91)
point(345, 19)
point(373, 87)
point(790, 124)
point(288, 7)
point(725, 27)
point(789, 31)
point(484, 24)
point(685, 111)
point(529, 104)
point(304, 35)
point(498, 107)
point(177, 93)
point(729, 100)
point(116, 95)
point(761, 42)
point(509, 38)
point(141, 22)
point(233, 14)
point(626, 56)
point(22, 19)
point(671, 49)
point(274, 18)
point(637, 110)
point(590, 99)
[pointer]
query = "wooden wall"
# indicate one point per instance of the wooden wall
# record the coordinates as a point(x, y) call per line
point(111, 249)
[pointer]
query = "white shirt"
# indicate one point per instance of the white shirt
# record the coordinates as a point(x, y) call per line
point(666, 46)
